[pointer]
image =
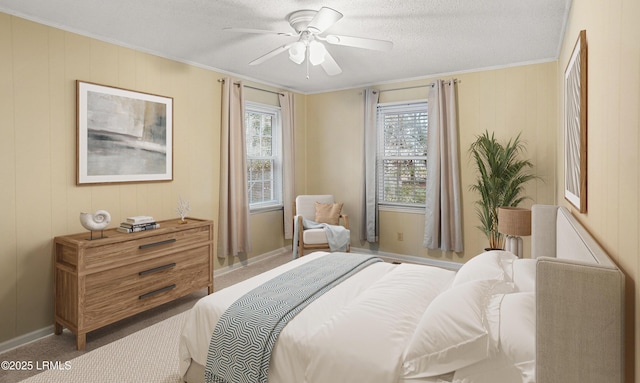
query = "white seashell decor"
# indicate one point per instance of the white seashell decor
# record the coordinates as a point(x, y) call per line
point(96, 221)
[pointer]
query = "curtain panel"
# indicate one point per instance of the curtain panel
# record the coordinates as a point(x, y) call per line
point(443, 208)
point(234, 200)
point(370, 225)
point(288, 166)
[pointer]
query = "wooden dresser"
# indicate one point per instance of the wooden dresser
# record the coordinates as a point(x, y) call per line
point(100, 281)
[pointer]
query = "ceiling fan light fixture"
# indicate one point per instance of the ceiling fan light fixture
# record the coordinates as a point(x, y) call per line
point(297, 52)
point(317, 52)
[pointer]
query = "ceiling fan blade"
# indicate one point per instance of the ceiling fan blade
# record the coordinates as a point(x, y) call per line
point(330, 65)
point(260, 31)
point(271, 54)
point(325, 18)
point(360, 42)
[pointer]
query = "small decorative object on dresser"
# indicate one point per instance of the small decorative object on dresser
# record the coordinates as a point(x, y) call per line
point(183, 209)
point(138, 223)
point(97, 283)
point(96, 221)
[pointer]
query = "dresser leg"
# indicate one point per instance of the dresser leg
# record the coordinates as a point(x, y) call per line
point(210, 289)
point(57, 328)
point(81, 341)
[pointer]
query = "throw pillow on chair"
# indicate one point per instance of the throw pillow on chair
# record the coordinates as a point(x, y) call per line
point(328, 213)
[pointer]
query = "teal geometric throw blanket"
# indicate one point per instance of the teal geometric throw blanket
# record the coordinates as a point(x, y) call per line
point(242, 341)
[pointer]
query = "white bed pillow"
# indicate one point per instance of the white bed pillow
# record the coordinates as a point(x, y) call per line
point(524, 275)
point(494, 369)
point(494, 264)
point(452, 332)
point(518, 332)
point(511, 325)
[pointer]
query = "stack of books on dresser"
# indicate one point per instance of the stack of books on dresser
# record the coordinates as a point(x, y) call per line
point(138, 223)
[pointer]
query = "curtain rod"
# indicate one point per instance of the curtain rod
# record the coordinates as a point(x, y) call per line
point(253, 87)
point(416, 86)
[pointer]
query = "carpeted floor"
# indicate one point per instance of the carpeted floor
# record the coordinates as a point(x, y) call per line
point(121, 347)
point(149, 355)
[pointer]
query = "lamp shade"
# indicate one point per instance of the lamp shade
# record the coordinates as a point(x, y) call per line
point(514, 221)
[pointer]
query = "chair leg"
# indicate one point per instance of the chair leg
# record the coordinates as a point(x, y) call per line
point(300, 236)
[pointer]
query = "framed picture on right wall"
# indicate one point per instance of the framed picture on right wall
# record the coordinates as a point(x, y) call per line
point(575, 125)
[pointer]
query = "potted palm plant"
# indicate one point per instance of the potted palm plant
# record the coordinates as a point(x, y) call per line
point(502, 175)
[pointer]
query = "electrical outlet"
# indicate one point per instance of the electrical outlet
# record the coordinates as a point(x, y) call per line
point(400, 236)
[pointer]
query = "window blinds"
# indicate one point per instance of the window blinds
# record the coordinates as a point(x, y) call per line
point(402, 154)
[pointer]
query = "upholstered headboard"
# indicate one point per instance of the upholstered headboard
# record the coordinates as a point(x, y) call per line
point(579, 302)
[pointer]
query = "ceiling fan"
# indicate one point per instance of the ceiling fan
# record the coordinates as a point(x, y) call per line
point(309, 26)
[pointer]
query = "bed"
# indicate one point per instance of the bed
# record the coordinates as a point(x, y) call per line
point(554, 318)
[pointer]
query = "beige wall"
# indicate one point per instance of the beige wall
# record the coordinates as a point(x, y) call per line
point(505, 101)
point(613, 214)
point(38, 195)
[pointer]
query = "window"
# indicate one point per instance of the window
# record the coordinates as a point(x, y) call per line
point(264, 155)
point(402, 154)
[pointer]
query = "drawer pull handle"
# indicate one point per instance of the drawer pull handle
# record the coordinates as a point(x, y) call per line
point(156, 269)
point(162, 290)
point(148, 245)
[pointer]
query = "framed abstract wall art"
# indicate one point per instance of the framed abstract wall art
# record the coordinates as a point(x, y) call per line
point(575, 125)
point(122, 135)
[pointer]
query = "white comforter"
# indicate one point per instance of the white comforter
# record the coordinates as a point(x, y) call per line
point(358, 331)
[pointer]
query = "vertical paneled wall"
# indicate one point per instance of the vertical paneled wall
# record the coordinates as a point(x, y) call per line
point(38, 195)
point(8, 242)
point(613, 83)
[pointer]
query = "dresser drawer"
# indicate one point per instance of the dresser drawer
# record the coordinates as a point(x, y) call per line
point(140, 247)
point(120, 292)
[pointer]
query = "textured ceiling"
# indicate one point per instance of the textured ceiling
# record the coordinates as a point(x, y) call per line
point(430, 37)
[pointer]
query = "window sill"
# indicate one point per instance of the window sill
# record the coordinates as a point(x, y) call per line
point(402, 209)
point(265, 209)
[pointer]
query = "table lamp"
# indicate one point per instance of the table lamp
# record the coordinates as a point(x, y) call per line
point(514, 222)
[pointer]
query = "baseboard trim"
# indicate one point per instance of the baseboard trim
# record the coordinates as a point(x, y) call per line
point(455, 266)
point(25, 339)
point(252, 260)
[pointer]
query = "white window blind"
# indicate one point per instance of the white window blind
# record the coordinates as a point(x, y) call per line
point(264, 155)
point(402, 154)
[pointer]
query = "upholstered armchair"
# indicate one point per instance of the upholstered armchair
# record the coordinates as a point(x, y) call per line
point(320, 209)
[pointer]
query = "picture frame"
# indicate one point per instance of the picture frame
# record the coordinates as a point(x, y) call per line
point(122, 135)
point(575, 125)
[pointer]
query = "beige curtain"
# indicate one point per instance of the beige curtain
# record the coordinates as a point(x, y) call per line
point(369, 230)
point(234, 201)
point(288, 165)
point(443, 208)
